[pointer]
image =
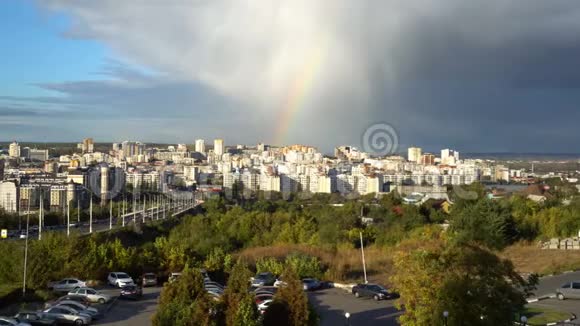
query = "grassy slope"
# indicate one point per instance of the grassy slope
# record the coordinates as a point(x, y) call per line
point(531, 259)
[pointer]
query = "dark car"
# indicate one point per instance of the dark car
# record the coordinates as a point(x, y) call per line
point(149, 279)
point(131, 292)
point(35, 318)
point(263, 279)
point(370, 290)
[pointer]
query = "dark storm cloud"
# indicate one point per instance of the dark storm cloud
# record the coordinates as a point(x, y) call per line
point(476, 75)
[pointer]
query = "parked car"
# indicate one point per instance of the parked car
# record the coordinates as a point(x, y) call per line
point(93, 312)
point(264, 305)
point(263, 297)
point(263, 279)
point(570, 290)
point(265, 289)
point(131, 292)
point(78, 298)
point(67, 284)
point(173, 277)
point(68, 315)
point(310, 284)
point(11, 322)
point(374, 291)
point(119, 279)
point(149, 279)
point(91, 294)
point(36, 318)
point(279, 283)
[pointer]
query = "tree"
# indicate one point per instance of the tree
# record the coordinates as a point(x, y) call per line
point(239, 303)
point(184, 302)
point(292, 300)
point(474, 285)
point(485, 222)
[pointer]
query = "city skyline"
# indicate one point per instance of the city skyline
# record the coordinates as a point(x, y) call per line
point(233, 72)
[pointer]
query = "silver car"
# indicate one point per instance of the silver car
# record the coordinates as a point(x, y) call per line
point(93, 312)
point(570, 290)
point(67, 284)
point(68, 315)
point(92, 295)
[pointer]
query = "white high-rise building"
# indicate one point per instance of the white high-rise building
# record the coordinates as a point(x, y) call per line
point(269, 182)
point(9, 196)
point(218, 147)
point(14, 150)
point(200, 145)
point(449, 156)
point(414, 154)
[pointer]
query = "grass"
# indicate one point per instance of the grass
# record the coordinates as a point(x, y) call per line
point(542, 316)
point(528, 258)
point(343, 264)
point(6, 289)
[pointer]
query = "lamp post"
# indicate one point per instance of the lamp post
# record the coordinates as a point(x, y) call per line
point(26, 250)
point(524, 320)
point(445, 317)
point(111, 214)
point(68, 218)
point(347, 317)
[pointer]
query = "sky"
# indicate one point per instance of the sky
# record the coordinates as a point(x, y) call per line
point(476, 76)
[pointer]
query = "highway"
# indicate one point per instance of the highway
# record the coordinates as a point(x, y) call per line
point(131, 218)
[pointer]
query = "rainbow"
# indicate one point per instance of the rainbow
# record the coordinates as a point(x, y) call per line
point(298, 94)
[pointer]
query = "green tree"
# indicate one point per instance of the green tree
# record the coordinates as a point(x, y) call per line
point(184, 302)
point(485, 222)
point(474, 285)
point(239, 305)
point(293, 297)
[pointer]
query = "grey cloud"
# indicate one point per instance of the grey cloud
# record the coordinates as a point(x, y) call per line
point(445, 72)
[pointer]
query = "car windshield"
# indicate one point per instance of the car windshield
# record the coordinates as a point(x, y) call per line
point(129, 288)
point(377, 288)
point(149, 276)
point(262, 275)
point(308, 280)
point(122, 275)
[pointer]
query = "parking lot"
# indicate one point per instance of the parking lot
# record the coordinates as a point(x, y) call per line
point(131, 313)
point(332, 304)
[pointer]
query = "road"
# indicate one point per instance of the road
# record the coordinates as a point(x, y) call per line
point(548, 286)
point(103, 225)
point(132, 313)
point(332, 304)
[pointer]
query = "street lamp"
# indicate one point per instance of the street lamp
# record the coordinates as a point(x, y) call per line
point(445, 316)
point(347, 316)
point(524, 320)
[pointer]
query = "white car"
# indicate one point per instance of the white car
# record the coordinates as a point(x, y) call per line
point(91, 294)
point(279, 283)
point(67, 284)
point(68, 315)
point(11, 322)
point(120, 279)
point(264, 305)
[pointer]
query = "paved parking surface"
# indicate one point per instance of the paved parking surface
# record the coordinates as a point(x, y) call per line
point(332, 304)
point(570, 306)
point(129, 312)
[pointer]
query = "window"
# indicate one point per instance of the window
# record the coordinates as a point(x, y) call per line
point(91, 291)
point(566, 286)
point(576, 285)
point(72, 281)
point(62, 282)
point(2, 322)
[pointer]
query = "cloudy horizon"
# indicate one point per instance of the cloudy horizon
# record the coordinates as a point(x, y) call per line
point(478, 76)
